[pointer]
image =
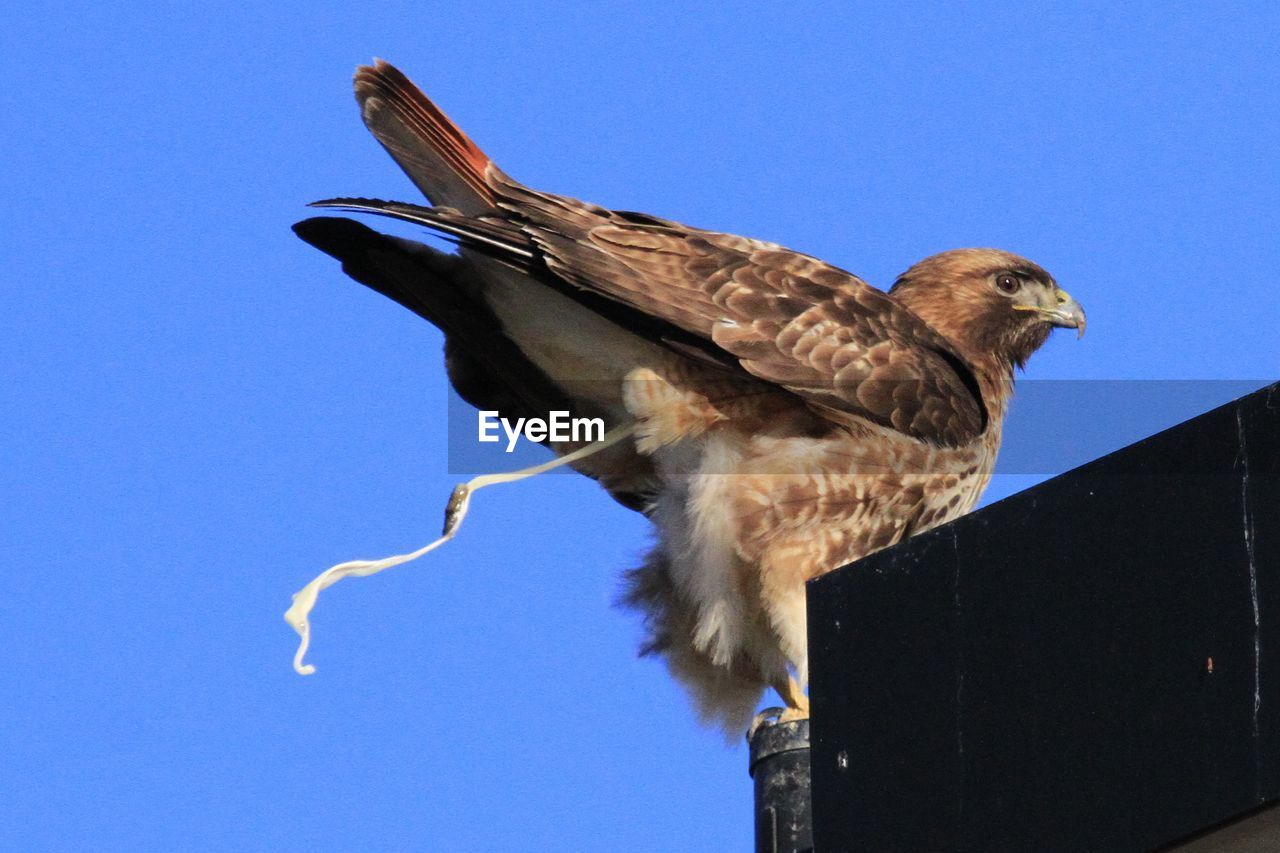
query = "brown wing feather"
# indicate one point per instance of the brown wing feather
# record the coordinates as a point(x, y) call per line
point(851, 351)
point(822, 333)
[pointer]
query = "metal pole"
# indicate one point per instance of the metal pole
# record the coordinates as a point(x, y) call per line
point(780, 770)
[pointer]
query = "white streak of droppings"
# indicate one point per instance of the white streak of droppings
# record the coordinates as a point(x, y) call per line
point(304, 600)
point(1253, 571)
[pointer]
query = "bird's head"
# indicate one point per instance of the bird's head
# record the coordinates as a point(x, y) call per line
point(988, 302)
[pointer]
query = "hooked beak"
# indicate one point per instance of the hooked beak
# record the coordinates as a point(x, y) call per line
point(1066, 313)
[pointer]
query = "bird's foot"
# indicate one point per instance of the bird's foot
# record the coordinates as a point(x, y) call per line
point(790, 715)
point(795, 698)
point(767, 717)
point(775, 716)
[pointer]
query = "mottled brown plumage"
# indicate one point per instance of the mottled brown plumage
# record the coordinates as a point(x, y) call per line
point(792, 418)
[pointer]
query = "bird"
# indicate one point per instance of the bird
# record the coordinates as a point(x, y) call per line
point(784, 417)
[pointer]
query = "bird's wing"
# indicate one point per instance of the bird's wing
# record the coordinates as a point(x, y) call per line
point(849, 350)
point(818, 331)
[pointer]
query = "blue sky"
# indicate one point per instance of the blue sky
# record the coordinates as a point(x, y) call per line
point(199, 412)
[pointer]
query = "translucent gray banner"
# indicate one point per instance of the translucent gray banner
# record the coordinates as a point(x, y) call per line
point(1052, 425)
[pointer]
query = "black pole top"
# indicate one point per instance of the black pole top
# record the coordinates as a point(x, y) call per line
point(769, 737)
point(780, 768)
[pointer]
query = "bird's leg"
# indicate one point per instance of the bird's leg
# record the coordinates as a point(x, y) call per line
point(669, 406)
point(794, 697)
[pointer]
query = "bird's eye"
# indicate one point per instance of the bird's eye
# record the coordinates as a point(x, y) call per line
point(1007, 283)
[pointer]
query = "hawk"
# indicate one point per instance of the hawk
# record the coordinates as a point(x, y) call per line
point(788, 418)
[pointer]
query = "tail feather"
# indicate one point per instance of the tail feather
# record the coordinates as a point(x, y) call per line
point(436, 155)
point(496, 237)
